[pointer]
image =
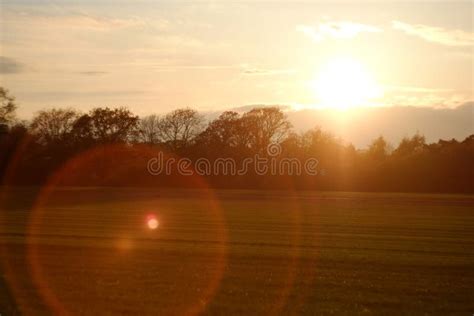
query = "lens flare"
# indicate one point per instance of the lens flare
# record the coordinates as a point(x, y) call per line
point(152, 222)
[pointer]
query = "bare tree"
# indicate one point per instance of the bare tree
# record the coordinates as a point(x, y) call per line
point(7, 107)
point(149, 130)
point(53, 125)
point(179, 127)
point(267, 125)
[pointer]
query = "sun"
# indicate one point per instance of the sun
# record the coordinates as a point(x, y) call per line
point(344, 83)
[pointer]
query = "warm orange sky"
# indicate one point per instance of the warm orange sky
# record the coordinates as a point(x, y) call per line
point(154, 57)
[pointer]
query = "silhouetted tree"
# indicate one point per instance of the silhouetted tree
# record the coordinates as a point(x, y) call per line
point(318, 141)
point(7, 107)
point(410, 146)
point(54, 125)
point(221, 132)
point(9, 142)
point(179, 127)
point(112, 137)
point(149, 130)
point(379, 149)
point(105, 125)
point(266, 125)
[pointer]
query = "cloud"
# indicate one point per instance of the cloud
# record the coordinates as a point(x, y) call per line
point(246, 108)
point(436, 34)
point(93, 73)
point(40, 29)
point(437, 98)
point(398, 89)
point(336, 30)
point(80, 21)
point(113, 41)
point(429, 100)
point(258, 71)
point(86, 21)
point(10, 66)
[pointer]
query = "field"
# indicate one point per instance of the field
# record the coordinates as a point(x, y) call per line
point(89, 251)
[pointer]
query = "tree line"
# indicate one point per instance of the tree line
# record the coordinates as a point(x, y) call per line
point(112, 146)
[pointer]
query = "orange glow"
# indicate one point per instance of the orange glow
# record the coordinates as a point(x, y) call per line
point(124, 244)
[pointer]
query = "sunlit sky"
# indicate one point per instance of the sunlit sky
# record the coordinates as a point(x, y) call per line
point(157, 56)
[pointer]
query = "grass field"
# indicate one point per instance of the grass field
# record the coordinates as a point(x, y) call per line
point(89, 251)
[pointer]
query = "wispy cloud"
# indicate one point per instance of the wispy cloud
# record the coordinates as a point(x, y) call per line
point(260, 71)
point(93, 73)
point(336, 30)
point(83, 21)
point(114, 41)
point(430, 100)
point(426, 97)
point(398, 88)
point(436, 34)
